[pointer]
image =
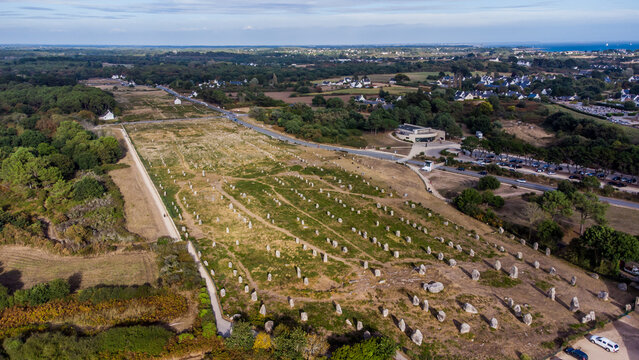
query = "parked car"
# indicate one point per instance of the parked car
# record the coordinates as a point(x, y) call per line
point(483, 173)
point(605, 343)
point(551, 172)
point(576, 353)
point(521, 180)
point(461, 168)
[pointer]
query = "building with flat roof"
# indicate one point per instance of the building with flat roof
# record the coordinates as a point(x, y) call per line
point(416, 133)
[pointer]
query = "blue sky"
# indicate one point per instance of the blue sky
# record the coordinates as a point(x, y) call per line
point(316, 22)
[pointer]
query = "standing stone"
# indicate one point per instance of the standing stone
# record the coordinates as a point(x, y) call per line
point(535, 246)
point(269, 277)
point(536, 264)
point(452, 262)
point(428, 250)
point(417, 337)
point(497, 265)
point(440, 256)
point(338, 309)
point(528, 319)
point(517, 310)
point(494, 324)
point(359, 325)
point(501, 230)
point(324, 258)
point(401, 325)
point(263, 310)
point(471, 253)
point(397, 233)
point(520, 255)
point(268, 326)
point(415, 300)
point(365, 264)
point(511, 302)
point(552, 271)
point(434, 288)
point(552, 292)
point(246, 289)
point(514, 272)
point(305, 281)
point(603, 295)
point(396, 254)
point(239, 279)
point(385, 312)
point(573, 281)
point(277, 253)
point(574, 304)
point(378, 273)
point(464, 328)
point(230, 264)
point(303, 317)
point(469, 308)
point(475, 275)
point(222, 292)
point(622, 286)
point(299, 272)
point(628, 307)
point(425, 305)
point(441, 316)
point(254, 296)
point(291, 302)
point(547, 251)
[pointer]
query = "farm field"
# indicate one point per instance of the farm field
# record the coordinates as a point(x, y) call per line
point(286, 97)
point(395, 90)
point(22, 267)
point(347, 244)
point(147, 103)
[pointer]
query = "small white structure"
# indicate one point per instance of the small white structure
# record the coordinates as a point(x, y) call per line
point(428, 165)
point(108, 116)
point(177, 101)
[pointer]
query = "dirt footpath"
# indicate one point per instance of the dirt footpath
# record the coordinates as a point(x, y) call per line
point(624, 332)
point(142, 216)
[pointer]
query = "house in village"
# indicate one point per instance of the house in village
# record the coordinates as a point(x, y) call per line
point(108, 116)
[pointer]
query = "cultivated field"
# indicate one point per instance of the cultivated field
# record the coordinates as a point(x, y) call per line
point(22, 267)
point(148, 103)
point(301, 231)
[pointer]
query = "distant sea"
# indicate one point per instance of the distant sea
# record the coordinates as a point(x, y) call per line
point(555, 47)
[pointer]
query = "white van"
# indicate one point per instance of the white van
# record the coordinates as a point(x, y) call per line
point(605, 343)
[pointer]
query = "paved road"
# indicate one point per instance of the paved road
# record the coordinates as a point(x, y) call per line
point(223, 326)
point(378, 154)
point(624, 332)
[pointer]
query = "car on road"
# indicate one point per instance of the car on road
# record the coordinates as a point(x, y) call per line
point(521, 180)
point(605, 343)
point(576, 353)
point(483, 173)
point(461, 168)
point(551, 172)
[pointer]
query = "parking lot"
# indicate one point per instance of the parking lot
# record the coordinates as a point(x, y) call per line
point(624, 332)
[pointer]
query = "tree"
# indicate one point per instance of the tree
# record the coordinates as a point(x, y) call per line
point(470, 143)
point(468, 201)
point(318, 100)
point(87, 188)
point(335, 103)
point(289, 344)
point(372, 349)
point(591, 182)
point(401, 78)
point(533, 213)
point(629, 105)
point(241, 337)
point(556, 203)
point(488, 183)
point(549, 232)
point(485, 108)
point(316, 347)
point(567, 187)
point(605, 243)
point(589, 207)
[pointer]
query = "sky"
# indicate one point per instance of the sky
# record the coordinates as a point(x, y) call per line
point(316, 22)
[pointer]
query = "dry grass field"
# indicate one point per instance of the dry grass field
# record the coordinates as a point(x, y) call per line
point(295, 223)
point(530, 133)
point(22, 267)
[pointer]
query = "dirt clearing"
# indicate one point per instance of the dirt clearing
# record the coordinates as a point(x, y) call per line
point(529, 133)
point(142, 216)
point(22, 267)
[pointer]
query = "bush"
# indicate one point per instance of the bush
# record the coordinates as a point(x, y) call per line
point(241, 337)
point(372, 349)
point(87, 188)
point(138, 339)
point(101, 294)
point(488, 183)
point(42, 293)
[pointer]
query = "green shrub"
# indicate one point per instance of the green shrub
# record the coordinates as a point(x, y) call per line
point(241, 337)
point(102, 294)
point(372, 349)
point(488, 183)
point(138, 339)
point(42, 293)
point(87, 188)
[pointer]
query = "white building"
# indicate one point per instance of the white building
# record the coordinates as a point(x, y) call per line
point(177, 101)
point(108, 116)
